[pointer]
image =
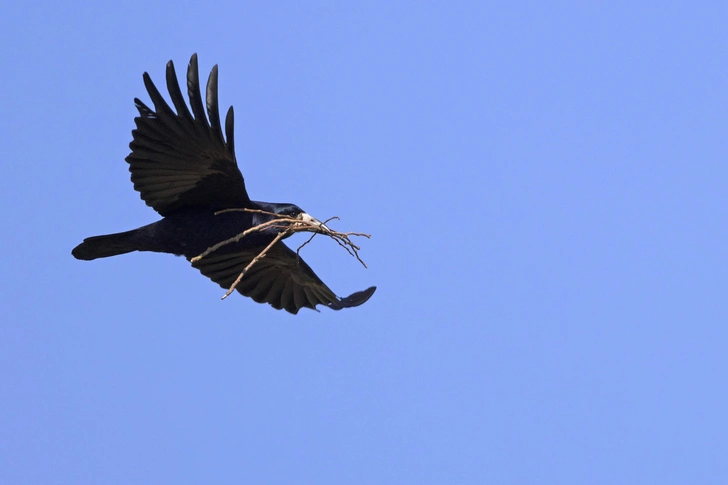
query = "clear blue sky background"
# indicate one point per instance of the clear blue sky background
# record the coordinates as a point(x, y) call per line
point(545, 183)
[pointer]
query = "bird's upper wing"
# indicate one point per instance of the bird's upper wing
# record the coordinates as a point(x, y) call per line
point(179, 160)
point(280, 278)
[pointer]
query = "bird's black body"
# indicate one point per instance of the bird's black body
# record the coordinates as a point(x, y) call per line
point(188, 233)
point(185, 170)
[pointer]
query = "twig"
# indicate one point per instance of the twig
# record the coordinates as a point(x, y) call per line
point(288, 225)
point(260, 256)
point(298, 256)
point(256, 211)
point(234, 239)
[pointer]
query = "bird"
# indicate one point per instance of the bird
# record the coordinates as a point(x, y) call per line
point(185, 168)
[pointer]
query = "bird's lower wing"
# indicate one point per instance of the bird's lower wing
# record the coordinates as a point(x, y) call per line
point(281, 279)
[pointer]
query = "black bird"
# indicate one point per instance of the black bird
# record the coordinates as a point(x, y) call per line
point(184, 169)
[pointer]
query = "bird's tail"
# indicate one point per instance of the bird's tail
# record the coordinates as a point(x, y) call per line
point(105, 246)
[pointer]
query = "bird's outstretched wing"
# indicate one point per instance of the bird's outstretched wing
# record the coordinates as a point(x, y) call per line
point(280, 278)
point(179, 160)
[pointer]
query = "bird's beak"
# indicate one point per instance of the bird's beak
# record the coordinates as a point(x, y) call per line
point(312, 220)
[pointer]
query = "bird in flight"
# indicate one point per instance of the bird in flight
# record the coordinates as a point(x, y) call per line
point(185, 169)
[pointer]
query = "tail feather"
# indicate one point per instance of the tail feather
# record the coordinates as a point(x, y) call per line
point(105, 246)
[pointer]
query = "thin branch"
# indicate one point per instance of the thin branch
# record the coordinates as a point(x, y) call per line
point(298, 256)
point(234, 239)
point(256, 211)
point(287, 225)
point(260, 256)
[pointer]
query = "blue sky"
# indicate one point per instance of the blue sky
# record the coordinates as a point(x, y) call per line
point(545, 185)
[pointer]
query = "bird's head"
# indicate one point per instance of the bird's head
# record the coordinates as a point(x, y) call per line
point(294, 212)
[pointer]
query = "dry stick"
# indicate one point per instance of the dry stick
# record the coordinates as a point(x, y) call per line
point(233, 239)
point(256, 211)
point(289, 226)
point(278, 237)
point(342, 238)
point(298, 256)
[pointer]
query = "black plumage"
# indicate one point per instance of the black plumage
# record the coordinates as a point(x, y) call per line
point(183, 167)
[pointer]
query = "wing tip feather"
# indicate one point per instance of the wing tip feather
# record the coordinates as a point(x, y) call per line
point(353, 300)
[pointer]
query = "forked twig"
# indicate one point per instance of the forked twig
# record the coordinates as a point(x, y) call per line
point(260, 256)
point(288, 226)
point(234, 239)
point(298, 256)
